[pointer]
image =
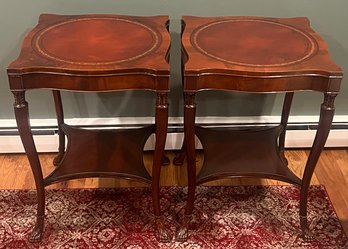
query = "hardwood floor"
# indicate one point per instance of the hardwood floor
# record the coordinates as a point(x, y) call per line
point(331, 171)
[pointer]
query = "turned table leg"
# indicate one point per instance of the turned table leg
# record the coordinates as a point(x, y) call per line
point(189, 129)
point(22, 118)
point(326, 116)
point(60, 119)
point(162, 233)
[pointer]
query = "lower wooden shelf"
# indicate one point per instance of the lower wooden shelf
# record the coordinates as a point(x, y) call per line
point(103, 153)
point(243, 153)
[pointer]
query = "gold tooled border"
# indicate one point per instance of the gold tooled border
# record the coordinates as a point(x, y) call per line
point(311, 51)
point(41, 51)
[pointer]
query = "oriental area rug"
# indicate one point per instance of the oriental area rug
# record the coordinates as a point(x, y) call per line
point(224, 217)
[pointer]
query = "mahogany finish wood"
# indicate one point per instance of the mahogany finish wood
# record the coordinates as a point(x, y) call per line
point(107, 155)
point(94, 53)
point(238, 156)
point(260, 55)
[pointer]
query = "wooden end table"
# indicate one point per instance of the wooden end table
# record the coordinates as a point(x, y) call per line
point(257, 55)
point(94, 53)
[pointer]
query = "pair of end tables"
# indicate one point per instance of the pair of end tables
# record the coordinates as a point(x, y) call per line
point(96, 53)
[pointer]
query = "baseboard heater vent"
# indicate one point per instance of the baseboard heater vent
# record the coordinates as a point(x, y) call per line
point(299, 135)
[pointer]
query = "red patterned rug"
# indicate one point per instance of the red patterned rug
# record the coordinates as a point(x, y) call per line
point(225, 217)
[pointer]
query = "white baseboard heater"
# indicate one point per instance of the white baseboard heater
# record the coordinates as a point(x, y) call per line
point(300, 133)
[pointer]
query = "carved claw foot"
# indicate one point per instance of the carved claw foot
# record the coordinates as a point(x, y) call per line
point(182, 233)
point(179, 158)
point(165, 161)
point(37, 233)
point(162, 233)
point(306, 234)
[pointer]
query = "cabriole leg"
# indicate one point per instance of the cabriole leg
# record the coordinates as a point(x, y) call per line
point(326, 116)
point(162, 232)
point(189, 129)
point(22, 118)
point(180, 157)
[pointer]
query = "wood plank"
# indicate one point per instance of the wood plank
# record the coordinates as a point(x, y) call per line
point(332, 173)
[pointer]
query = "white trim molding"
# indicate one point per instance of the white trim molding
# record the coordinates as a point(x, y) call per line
point(295, 138)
